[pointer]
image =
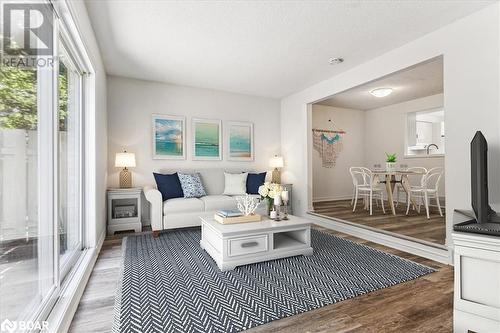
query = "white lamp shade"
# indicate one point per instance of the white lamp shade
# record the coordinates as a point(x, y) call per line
point(125, 160)
point(276, 162)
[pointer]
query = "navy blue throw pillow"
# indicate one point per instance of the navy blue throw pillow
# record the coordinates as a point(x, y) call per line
point(254, 180)
point(169, 186)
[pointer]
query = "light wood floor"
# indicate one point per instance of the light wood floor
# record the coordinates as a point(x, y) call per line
point(420, 305)
point(414, 225)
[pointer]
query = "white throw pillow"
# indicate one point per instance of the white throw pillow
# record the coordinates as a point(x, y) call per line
point(235, 183)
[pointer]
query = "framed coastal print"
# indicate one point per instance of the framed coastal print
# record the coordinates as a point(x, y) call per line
point(240, 141)
point(169, 137)
point(207, 139)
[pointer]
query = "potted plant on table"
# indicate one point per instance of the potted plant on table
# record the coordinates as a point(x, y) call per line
point(390, 162)
point(268, 192)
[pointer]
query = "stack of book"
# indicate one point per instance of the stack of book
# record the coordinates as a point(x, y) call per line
point(229, 213)
point(228, 216)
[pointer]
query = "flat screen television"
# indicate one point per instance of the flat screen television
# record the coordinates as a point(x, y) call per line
point(479, 178)
point(486, 219)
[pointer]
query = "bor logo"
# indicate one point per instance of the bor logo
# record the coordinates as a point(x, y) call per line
point(13, 326)
point(8, 326)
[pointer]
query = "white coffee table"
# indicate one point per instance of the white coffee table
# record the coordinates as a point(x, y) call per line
point(232, 245)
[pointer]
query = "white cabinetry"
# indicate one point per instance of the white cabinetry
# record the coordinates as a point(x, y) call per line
point(476, 305)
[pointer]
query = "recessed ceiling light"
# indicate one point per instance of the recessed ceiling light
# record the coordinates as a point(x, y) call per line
point(335, 61)
point(381, 92)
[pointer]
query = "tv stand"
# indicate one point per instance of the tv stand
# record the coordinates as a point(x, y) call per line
point(491, 227)
point(476, 305)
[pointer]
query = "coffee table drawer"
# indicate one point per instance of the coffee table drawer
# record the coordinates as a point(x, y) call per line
point(247, 245)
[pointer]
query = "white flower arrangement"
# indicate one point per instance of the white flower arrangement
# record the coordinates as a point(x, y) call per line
point(268, 191)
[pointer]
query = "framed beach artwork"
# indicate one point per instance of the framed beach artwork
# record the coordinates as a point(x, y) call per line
point(240, 141)
point(207, 139)
point(169, 137)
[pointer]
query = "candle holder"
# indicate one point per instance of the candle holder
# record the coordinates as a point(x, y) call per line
point(285, 216)
point(277, 207)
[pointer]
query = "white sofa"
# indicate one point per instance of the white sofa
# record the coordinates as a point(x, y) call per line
point(186, 212)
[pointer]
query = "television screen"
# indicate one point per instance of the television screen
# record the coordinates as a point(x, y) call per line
point(479, 177)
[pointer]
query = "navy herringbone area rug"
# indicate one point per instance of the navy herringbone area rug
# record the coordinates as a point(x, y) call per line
point(170, 284)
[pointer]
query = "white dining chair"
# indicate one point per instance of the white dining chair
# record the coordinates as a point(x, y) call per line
point(358, 179)
point(428, 189)
point(399, 187)
point(370, 190)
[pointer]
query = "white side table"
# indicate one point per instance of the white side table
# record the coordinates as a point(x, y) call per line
point(124, 209)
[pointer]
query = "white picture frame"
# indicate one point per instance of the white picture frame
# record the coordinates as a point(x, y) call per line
point(168, 137)
point(205, 151)
point(240, 141)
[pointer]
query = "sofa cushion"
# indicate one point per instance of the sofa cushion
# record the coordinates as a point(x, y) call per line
point(217, 202)
point(211, 178)
point(235, 184)
point(168, 185)
point(182, 205)
point(191, 185)
point(254, 180)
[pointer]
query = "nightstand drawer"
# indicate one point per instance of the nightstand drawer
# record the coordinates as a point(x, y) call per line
point(247, 245)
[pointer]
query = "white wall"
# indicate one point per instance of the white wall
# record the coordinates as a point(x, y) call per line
point(132, 102)
point(470, 47)
point(385, 132)
point(335, 183)
point(99, 102)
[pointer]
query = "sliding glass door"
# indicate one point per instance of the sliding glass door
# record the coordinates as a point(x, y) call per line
point(41, 174)
point(26, 234)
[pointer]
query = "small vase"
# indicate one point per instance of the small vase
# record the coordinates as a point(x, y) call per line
point(390, 166)
point(270, 204)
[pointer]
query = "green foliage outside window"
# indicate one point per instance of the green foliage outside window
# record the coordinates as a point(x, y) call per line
point(18, 98)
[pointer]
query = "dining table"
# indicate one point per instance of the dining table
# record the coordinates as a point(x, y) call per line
point(393, 177)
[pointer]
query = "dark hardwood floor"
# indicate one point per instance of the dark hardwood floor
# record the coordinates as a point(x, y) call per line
point(414, 225)
point(420, 305)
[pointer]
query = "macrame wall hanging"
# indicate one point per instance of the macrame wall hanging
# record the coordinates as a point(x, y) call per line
point(328, 143)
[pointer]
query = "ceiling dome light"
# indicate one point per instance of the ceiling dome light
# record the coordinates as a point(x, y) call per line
point(381, 92)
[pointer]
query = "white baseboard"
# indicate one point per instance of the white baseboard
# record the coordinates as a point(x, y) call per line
point(62, 314)
point(402, 200)
point(436, 252)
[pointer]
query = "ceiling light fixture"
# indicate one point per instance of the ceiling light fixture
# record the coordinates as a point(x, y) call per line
point(335, 61)
point(381, 92)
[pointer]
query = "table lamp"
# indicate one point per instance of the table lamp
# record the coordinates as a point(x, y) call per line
point(125, 160)
point(276, 162)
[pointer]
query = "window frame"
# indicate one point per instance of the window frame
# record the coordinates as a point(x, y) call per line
point(69, 263)
point(65, 31)
point(77, 55)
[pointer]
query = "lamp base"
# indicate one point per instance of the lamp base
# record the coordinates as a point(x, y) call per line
point(125, 178)
point(276, 176)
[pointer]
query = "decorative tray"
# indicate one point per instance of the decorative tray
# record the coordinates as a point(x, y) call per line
point(237, 219)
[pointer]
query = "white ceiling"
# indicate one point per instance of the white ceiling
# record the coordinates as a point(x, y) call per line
point(266, 48)
point(421, 80)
